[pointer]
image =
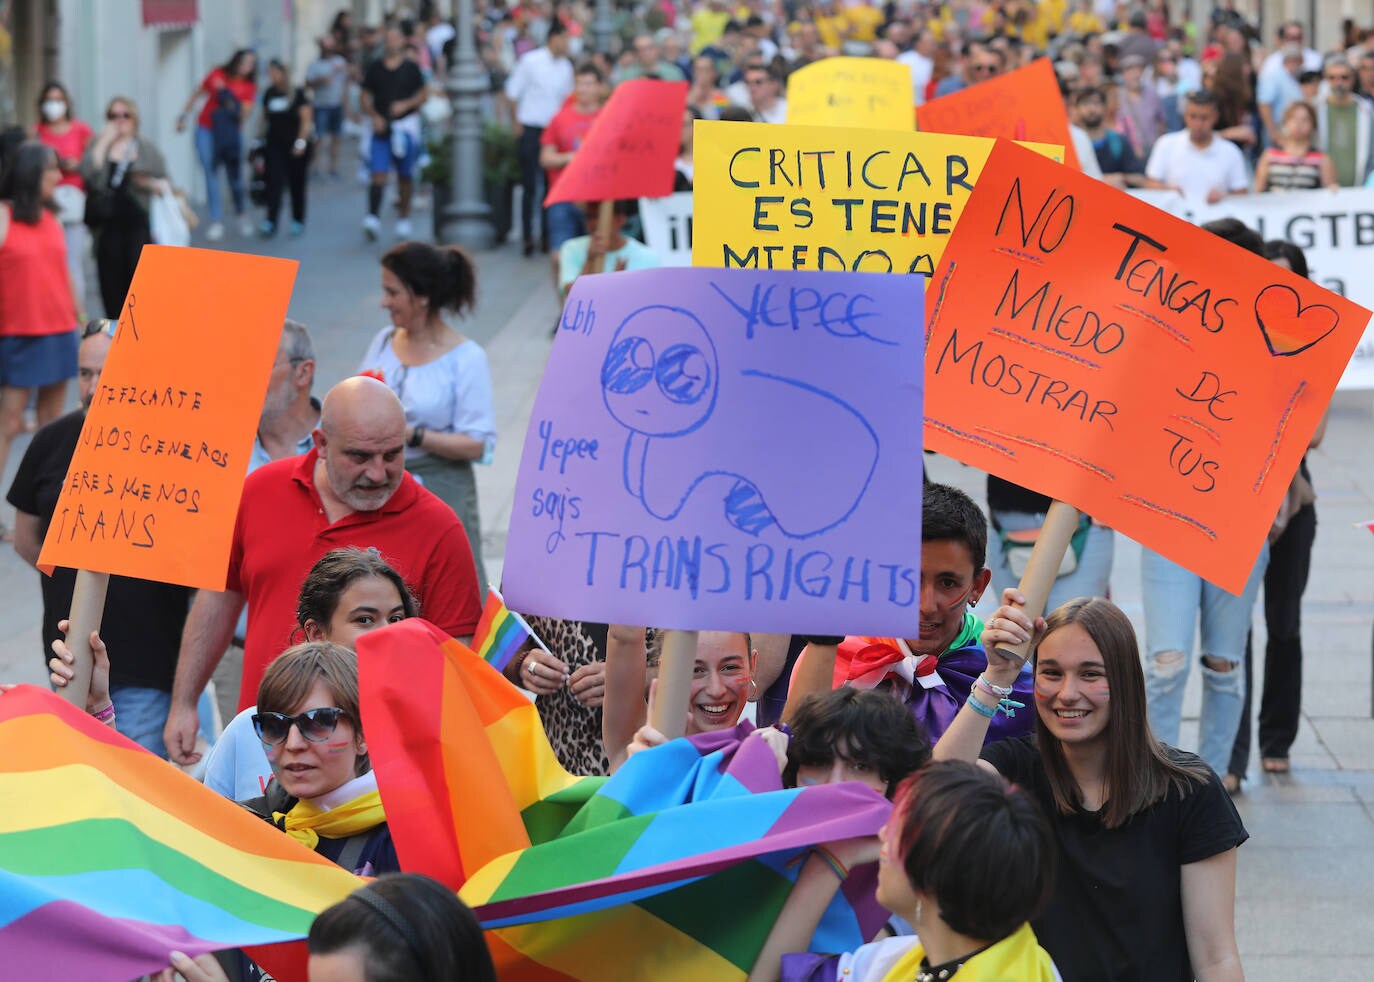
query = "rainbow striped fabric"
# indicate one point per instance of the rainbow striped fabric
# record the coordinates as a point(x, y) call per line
point(110, 858)
point(672, 870)
point(500, 632)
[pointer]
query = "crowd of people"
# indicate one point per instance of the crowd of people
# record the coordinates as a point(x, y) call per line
point(1086, 845)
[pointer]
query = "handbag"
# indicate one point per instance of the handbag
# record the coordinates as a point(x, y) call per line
point(165, 220)
point(1018, 546)
point(71, 204)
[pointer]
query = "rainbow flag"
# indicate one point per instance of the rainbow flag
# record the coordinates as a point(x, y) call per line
point(110, 858)
point(674, 869)
point(500, 632)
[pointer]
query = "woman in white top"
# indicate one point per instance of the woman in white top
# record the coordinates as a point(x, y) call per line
point(440, 375)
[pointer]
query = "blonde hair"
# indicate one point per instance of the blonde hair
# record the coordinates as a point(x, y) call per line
point(127, 103)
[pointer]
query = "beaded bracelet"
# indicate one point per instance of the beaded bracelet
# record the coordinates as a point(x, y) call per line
point(106, 714)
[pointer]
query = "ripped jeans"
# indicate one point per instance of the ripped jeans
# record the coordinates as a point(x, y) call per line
point(1175, 601)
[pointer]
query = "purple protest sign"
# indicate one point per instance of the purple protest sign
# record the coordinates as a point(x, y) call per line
point(726, 449)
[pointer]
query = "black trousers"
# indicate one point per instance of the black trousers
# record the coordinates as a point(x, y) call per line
point(282, 170)
point(118, 245)
point(1290, 559)
point(532, 181)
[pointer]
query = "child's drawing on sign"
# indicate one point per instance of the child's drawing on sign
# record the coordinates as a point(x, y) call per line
point(661, 380)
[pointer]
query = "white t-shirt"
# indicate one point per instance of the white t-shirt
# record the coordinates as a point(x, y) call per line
point(1196, 172)
point(921, 67)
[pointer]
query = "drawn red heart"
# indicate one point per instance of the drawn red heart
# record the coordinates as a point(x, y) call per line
point(1289, 327)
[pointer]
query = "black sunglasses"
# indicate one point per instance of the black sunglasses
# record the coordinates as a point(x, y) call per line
point(316, 725)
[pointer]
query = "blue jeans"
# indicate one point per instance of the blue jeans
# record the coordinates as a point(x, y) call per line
point(205, 150)
point(1090, 579)
point(141, 713)
point(1175, 602)
point(565, 221)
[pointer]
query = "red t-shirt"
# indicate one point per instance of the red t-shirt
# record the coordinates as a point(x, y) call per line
point(282, 531)
point(565, 132)
point(35, 294)
point(68, 146)
point(244, 90)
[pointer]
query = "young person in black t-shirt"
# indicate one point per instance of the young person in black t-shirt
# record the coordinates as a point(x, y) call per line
point(288, 123)
point(391, 94)
point(1147, 835)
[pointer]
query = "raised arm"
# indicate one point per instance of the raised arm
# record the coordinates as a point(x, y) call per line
point(623, 710)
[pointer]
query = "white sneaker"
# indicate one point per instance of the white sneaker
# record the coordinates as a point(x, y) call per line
point(246, 227)
point(403, 229)
point(371, 226)
point(215, 232)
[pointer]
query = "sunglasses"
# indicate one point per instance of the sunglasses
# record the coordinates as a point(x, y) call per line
point(984, 69)
point(316, 725)
point(119, 115)
point(99, 325)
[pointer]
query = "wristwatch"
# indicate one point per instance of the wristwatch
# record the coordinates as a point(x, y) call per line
point(417, 436)
point(300, 144)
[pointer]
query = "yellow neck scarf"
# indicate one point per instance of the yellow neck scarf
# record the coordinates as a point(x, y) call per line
point(305, 823)
point(1017, 956)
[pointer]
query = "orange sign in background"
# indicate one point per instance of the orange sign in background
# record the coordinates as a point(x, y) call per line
point(1095, 349)
point(630, 149)
point(154, 486)
point(1021, 105)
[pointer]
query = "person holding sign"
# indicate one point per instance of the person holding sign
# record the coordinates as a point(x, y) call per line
point(934, 672)
point(602, 249)
point(351, 489)
point(1147, 835)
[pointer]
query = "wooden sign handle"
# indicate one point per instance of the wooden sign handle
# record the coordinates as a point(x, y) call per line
point(88, 608)
point(674, 683)
point(605, 214)
point(1061, 521)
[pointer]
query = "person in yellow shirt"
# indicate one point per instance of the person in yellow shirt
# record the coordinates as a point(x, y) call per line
point(1084, 20)
point(708, 24)
point(864, 20)
point(832, 24)
point(1051, 14)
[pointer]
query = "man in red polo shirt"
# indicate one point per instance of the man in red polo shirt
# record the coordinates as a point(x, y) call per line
point(350, 490)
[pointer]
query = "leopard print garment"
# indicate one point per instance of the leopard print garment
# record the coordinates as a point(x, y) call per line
point(573, 729)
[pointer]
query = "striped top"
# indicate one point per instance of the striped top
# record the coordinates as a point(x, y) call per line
point(1293, 171)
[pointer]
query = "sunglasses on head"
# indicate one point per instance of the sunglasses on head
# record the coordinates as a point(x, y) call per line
point(316, 725)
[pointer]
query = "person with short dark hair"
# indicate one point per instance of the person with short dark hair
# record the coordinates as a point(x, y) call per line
point(1147, 836)
point(539, 84)
point(440, 375)
point(1194, 161)
point(392, 90)
point(853, 735)
point(933, 671)
point(1345, 124)
point(765, 89)
point(610, 249)
point(403, 926)
point(559, 143)
point(1121, 168)
point(966, 859)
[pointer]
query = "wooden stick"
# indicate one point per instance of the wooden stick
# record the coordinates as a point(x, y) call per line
point(605, 214)
point(674, 683)
point(1061, 521)
point(88, 607)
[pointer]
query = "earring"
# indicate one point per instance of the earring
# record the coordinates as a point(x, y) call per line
point(753, 690)
point(918, 912)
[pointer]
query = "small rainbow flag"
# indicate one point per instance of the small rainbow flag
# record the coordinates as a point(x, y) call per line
point(672, 870)
point(110, 858)
point(500, 632)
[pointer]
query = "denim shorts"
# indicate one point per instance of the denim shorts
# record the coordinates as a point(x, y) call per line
point(382, 156)
point(328, 120)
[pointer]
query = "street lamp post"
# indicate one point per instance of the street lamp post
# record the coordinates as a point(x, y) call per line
point(467, 218)
point(603, 27)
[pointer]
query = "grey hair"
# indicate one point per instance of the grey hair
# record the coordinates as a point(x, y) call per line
point(296, 338)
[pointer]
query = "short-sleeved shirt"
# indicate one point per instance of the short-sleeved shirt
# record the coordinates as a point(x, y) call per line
point(1197, 171)
point(1117, 907)
point(451, 394)
point(573, 256)
point(282, 530)
point(143, 620)
point(70, 145)
point(282, 110)
point(1343, 141)
point(243, 90)
point(388, 85)
point(565, 133)
point(334, 69)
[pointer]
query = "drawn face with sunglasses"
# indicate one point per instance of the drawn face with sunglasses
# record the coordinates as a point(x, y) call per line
point(314, 748)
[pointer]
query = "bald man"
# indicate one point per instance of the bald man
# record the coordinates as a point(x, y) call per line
point(351, 489)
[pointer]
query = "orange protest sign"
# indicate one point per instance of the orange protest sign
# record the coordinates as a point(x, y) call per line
point(153, 489)
point(1095, 349)
point(1021, 105)
point(630, 149)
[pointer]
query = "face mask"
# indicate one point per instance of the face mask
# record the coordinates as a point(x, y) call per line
point(54, 109)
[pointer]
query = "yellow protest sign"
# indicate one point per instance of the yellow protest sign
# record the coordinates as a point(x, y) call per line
point(815, 197)
point(868, 93)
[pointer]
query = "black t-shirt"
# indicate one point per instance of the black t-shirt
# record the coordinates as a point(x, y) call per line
point(1116, 912)
point(1005, 496)
point(283, 113)
point(388, 85)
point(143, 620)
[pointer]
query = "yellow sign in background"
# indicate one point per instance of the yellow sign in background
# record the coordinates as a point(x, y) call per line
point(813, 197)
point(866, 93)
